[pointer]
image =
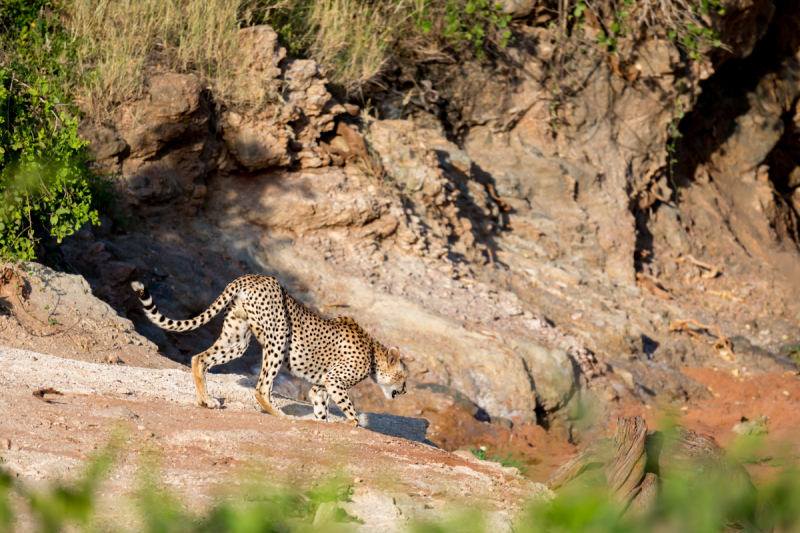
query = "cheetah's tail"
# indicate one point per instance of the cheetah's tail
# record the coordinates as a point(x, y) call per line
point(161, 321)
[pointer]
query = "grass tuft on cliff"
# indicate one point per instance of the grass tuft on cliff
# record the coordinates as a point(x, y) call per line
point(112, 41)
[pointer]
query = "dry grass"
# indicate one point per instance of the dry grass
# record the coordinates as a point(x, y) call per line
point(117, 38)
point(350, 38)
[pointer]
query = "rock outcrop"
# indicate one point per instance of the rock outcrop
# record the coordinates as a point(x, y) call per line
point(164, 146)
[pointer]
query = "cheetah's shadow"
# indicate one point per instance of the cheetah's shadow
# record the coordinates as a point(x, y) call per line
point(414, 429)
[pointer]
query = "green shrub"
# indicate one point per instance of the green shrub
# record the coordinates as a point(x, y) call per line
point(472, 22)
point(685, 22)
point(44, 182)
point(481, 453)
point(43, 176)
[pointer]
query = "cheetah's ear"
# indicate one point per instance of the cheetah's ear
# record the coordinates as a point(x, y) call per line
point(394, 356)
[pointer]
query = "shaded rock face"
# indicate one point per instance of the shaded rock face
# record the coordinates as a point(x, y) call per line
point(169, 143)
point(740, 170)
point(578, 165)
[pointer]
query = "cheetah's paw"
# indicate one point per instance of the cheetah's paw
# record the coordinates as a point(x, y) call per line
point(352, 422)
point(211, 403)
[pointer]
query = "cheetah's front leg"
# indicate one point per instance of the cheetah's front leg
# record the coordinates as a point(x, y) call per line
point(273, 358)
point(342, 399)
point(319, 397)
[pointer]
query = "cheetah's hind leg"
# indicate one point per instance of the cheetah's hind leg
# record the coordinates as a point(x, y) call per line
point(319, 397)
point(230, 345)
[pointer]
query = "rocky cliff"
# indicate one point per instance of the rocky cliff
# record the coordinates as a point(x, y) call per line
point(525, 251)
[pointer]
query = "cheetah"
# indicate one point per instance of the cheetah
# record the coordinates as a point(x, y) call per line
point(333, 354)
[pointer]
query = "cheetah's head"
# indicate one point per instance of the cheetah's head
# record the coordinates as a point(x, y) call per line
point(391, 373)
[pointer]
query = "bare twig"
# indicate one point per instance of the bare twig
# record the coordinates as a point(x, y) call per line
point(490, 189)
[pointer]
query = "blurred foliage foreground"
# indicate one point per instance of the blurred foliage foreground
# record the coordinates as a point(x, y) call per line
point(701, 498)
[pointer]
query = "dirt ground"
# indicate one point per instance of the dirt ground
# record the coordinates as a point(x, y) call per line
point(58, 415)
point(42, 319)
point(737, 396)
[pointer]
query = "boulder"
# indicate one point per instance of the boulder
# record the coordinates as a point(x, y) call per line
point(257, 142)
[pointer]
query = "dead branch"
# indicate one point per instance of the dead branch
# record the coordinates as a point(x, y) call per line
point(722, 294)
point(713, 271)
point(653, 285)
point(627, 468)
point(502, 203)
point(723, 344)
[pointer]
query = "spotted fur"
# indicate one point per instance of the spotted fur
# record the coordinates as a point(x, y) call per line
point(333, 354)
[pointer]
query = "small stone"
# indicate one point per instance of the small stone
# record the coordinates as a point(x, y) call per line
point(502, 422)
point(357, 480)
point(5, 444)
point(351, 109)
point(140, 428)
point(14, 448)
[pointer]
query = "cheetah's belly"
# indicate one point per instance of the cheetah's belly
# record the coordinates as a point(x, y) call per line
point(308, 364)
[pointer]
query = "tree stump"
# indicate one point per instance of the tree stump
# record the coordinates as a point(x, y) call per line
point(636, 461)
